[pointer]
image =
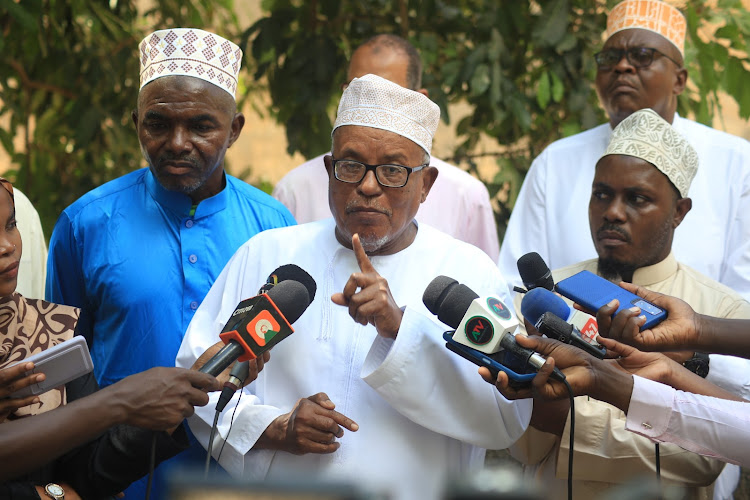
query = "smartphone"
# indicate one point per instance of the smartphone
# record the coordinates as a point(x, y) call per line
point(592, 292)
point(495, 362)
point(61, 363)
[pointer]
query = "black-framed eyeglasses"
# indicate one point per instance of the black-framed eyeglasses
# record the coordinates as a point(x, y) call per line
point(639, 57)
point(388, 175)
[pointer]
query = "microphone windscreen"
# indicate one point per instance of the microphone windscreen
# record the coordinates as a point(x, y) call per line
point(291, 272)
point(535, 272)
point(436, 291)
point(538, 301)
point(456, 303)
point(291, 298)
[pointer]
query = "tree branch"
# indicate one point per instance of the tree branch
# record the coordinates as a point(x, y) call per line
point(28, 83)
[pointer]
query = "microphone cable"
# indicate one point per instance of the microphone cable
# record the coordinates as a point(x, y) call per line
point(231, 422)
point(572, 439)
point(151, 466)
point(658, 466)
point(213, 436)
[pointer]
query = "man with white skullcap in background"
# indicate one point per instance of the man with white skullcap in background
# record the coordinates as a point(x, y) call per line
point(638, 198)
point(364, 391)
point(639, 66)
point(139, 253)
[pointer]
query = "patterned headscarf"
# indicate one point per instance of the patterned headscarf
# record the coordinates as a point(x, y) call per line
point(29, 326)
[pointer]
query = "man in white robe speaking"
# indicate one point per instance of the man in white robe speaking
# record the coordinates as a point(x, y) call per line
point(365, 390)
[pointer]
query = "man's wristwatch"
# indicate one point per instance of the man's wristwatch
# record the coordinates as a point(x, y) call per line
point(55, 491)
point(698, 364)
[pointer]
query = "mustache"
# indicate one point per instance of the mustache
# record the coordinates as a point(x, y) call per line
point(171, 158)
point(356, 205)
point(608, 227)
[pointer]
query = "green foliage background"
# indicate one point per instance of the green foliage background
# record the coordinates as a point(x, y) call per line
point(68, 75)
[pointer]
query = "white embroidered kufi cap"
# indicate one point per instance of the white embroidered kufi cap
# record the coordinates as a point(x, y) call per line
point(190, 52)
point(648, 136)
point(372, 101)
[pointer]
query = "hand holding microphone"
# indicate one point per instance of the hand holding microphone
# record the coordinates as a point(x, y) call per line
point(553, 317)
point(258, 323)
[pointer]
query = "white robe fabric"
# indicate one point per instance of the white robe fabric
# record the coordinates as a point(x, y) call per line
point(424, 413)
point(551, 214)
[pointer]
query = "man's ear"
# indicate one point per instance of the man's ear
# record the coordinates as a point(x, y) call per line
point(237, 123)
point(424, 92)
point(134, 116)
point(328, 162)
point(429, 175)
point(681, 76)
point(682, 207)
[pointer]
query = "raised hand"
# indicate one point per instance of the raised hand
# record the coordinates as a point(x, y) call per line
point(311, 427)
point(373, 303)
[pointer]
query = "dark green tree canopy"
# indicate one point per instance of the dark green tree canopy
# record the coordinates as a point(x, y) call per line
point(525, 69)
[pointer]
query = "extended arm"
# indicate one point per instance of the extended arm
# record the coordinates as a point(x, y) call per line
point(157, 399)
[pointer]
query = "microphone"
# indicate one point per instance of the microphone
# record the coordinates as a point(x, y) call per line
point(237, 377)
point(484, 324)
point(535, 272)
point(290, 272)
point(539, 301)
point(259, 323)
point(555, 328)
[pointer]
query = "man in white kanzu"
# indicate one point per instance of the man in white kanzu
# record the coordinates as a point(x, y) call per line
point(640, 66)
point(365, 390)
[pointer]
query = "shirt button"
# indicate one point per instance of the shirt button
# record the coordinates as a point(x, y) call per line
point(193, 259)
point(189, 223)
point(646, 425)
point(193, 305)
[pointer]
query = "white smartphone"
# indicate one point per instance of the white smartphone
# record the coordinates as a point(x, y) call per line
point(61, 363)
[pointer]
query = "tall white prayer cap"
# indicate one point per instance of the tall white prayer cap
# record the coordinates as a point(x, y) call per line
point(190, 52)
point(648, 136)
point(372, 101)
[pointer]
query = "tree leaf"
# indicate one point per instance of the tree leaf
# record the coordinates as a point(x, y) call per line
point(543, 90)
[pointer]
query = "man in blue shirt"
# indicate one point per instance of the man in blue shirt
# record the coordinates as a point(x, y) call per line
point(139, 253)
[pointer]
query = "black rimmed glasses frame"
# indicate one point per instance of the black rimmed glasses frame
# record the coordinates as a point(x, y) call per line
point(638, 57)
point(387, 174)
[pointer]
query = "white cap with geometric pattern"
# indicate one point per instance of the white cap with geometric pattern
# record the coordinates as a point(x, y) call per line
point(190, 52)
point(648, 136)
point(372, 101)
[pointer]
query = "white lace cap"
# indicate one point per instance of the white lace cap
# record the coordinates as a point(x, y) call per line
point(372, 101)
point(190, 52)
point(648, 136)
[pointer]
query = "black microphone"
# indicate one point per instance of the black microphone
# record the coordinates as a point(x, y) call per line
point(557, 328)
point(290, 272)
point(237, 377)
point(535, 272)
point(479, 320)
point(259, 323)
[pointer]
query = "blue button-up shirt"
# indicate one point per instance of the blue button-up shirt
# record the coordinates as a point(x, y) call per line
point(138, 264)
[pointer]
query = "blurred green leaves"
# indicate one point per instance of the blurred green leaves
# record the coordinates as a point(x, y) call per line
point(525, 69)
point(68, 83)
